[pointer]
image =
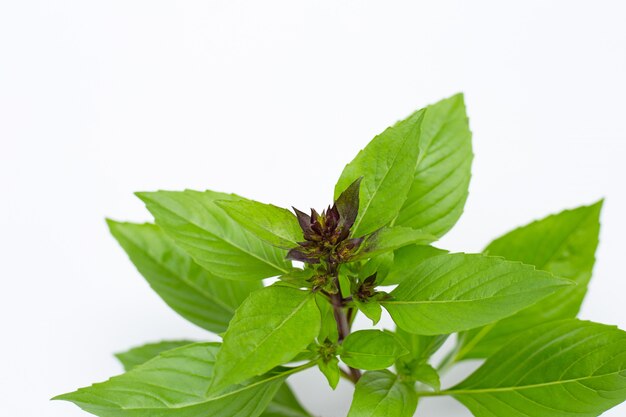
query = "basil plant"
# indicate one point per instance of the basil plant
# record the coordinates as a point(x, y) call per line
point(513, 305)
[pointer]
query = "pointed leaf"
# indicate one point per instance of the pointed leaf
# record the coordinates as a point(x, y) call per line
point(563, 244)
point(389, 239)
point(285, 404)
point(190, 290)
point(275, 225)
point(211, 237)
point(382, 394)
point(406, 259)
point(175, 384)
point(269, 329)
point(386, 164)
point(565, 368)
point(439, 189)
point(450, 293)
point(371, 350)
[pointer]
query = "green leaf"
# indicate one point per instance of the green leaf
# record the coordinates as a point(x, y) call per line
point(141, 354)
point(406, 259)
point(450, 293)
point(379, 265)
point(211, 237)
point(269, 329)
point(386, 164)
point(563, 244)
point(428, 375)
point(420, 347)
point(275, 225)
point(330, 370)
point(389, 239)
point(328, 326)
point(190, 290)
point(370, 350)
point(175, 384)
point(439, 189)
point(285, 404)
point(370, 308)
point(565, 368)
point(382, 394)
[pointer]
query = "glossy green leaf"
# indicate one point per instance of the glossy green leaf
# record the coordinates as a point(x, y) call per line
point(382, 394)
point(426, 374)
point(439, 189)
point(406, 259)
point(370, 308)
point(565, 368)
point(211, 237)
point(142, 354)
point(386, 164)
point(269, 329)
point(187, 288)
point(563, 244)
point(331, 371)
point(370, 350)
point(285, 404)
point(275, 225)
point(175, 384)
point(389, 239)
point(450, 293)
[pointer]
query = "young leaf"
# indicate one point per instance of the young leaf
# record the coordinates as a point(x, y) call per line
point(370, 308)
point(450, 293)
point(386, 164)
point(175, 384)
point(379, 265)
point(330, 370)
point(370, 350)
point(565, 368)
point(563, 244)
point(382, 394)
point(285, 404)
point(420, 347)
point(439, 189)
point(190, 290)
point(426, 374)
point(211, 237)
point(275, 225)
point(269, 329)
point(406, 259)
point(328, 326)
point(142, 354)
point(389, 239)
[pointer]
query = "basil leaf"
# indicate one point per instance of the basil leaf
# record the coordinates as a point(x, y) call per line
point(275, 225)
point(382, 394)
point(563, 244)
point(142, 354)
point(190, 290)
point(420, 347)
point(450, 293)
point(439, 189)
point(388, 239)
point(211, 237)
point(269, 329)
point(175, 384)
point(386, 164)
point(285, 404)
point(370, 350)
point(406, 259)
point(566, 368)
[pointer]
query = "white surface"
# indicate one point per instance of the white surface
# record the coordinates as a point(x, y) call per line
point(270, 99)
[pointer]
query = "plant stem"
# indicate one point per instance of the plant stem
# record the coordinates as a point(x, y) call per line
point(343, 329)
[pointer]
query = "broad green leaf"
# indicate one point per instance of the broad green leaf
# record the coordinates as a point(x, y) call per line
point(142, 354)
point(563, 244)
point(370, 350)
point(269, 329)
point(211, 237)
point(386, 164)
point(175, 384)
point(389, 239)
point(439, 189)
point(405, 259)
point(186, 287)
point(379, 265)
point(450, 293)
point(275, 225)
point(565, 368)
point(382, 394)
point(285, 404)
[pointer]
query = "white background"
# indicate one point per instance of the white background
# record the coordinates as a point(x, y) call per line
point(269, 99)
